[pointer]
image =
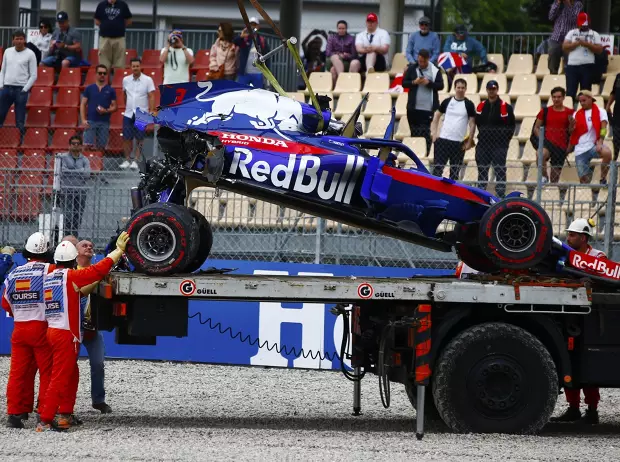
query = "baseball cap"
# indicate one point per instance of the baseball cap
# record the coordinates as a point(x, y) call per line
point(372, 17)
point(254, 20)
point(583, 19)
point(492, 84)
point(62, 16)
point(424, 20)
point(460, 29)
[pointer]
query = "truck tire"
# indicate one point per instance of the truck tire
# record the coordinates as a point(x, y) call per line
point(515, 233)
point(163, 239)
point(495, 378)
point(206, 241)
point(430, 410)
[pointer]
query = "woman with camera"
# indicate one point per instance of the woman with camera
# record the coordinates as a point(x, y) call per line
point(176, 58)
point(223, 57)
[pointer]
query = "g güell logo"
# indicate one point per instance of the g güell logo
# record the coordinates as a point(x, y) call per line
point(187, 287)
point(365, 291)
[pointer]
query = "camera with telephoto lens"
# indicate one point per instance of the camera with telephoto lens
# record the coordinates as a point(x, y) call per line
point(174, 39)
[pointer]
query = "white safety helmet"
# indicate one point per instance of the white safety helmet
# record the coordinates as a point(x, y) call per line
point(65, 251)
point(582, 226)
point(37, 243)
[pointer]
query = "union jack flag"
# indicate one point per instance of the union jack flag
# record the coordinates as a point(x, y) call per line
point(453, 61)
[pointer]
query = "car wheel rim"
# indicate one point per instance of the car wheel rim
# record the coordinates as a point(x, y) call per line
point(156, 242)
point(497, 387)
point(516, 232)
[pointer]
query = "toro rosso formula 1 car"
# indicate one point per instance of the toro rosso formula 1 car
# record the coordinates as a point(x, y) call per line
point(273, 148)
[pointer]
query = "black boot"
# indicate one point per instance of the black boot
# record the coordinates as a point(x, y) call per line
point(14, 421)
point(572, 414)
point(103, 407)
point(590, 417)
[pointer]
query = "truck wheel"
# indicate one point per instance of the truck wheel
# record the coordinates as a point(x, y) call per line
point(163, 239)
point(515, 233)
point(206, 241)
point(430, 410)
point(495, 378)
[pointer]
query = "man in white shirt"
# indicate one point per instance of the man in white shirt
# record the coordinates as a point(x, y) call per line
point(17, 76)
point(581, 44)
point(451, 143)
point(139, 91)
point(176, 58)
point(587, 138)
point(373, 46)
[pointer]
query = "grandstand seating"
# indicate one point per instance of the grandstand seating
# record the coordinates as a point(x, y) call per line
point(320, 82)
point(38, 117)
point(399, 64)
point(69, 77)
point(66, 117)
point(67, 97)
point(501, 80)
point(348, 82)
point(40, 97)
point(519, 64)
point(45, 77)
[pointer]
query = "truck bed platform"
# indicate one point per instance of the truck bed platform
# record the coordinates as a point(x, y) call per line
point(348, 289)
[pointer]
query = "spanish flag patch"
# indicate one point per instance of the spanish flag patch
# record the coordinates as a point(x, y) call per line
point(22, 284)
point(48, 294)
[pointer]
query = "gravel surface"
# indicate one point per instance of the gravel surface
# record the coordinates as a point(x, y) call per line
point(172, 411)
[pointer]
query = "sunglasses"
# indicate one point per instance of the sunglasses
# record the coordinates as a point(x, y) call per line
point(75, 143)
point(102, 73)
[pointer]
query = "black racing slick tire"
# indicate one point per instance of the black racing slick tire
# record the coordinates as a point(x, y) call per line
point(469, 252)
point(495, 378)
point(515, 233)
point(163, 239)
point(206, 241)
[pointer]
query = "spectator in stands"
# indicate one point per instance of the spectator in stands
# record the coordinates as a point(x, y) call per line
point(314, 57)
point(341, 52)
point(93, 339)
point(581, 44)
point(424, 39)
point(17, 76)
point(615, 119)
point(43, 40)
point(98, 103)
point(558, 122)
point(176, 58)
point(66, 45)
point(373, 46)
point(563, 13)
point(451, 142)
point(467, 47)
point(424, 80)
point(587, 139)
point(112, 17)
point(496, 125)
point(139, 92)
point(247, 73)
point(74, 173)
point(223, 56)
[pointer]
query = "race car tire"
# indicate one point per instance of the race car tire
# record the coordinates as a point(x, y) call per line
point(495, 378)
point(163, 239)
point(206, 241)
point(515, 233)
point(469, 252)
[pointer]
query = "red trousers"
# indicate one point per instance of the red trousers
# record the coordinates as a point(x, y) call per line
point(573, 396)
point(62, 390)
point(30, 351)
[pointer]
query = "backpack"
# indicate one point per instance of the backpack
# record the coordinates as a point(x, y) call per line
point(533, 138)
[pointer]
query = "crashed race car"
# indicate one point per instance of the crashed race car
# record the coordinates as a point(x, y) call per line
point(273, 148)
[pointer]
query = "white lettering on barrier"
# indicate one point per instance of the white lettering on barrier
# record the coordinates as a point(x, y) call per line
point(311, 317)
point(609, 269)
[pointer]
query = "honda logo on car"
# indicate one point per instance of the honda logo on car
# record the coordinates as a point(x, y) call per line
point(597, 265)
point(308, 178)
point(246, 139)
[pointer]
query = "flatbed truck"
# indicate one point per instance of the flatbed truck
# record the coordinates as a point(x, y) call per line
point(484, 354)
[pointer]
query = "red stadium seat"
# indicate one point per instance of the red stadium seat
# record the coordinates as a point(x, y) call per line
point(29, 202)
point(93, 57)
point(96, 160)
point(38, 117)
point(129, 55)
point(115, 142)
point(201, 60)
point(69, 77)
point(150, 58)
point(45, 77)
point(34, 159)
point(66, 117)
point(10, 117)
point(8, 158)
point(117, 80)
point(157, 74)
point(40, 97)
point(67, 97)
point(9, 137)
point(91, 77)
point(60, 140)
point(116, 120)
point(35, 138)
point(201, 75)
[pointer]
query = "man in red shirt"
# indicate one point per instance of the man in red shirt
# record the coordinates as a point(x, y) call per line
point(558, 122)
